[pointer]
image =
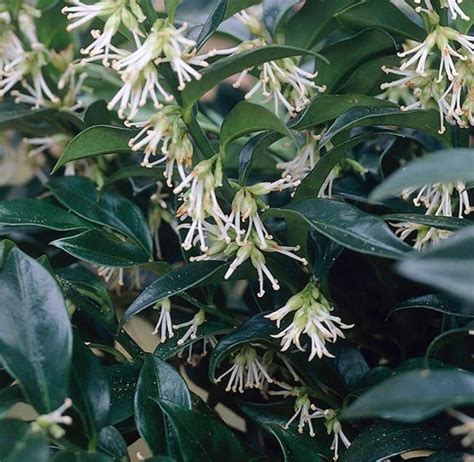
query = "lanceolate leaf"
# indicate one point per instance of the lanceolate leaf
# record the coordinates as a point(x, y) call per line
point(383, 15)
point(248, 118)
point(80, 195)
point(447, 267)
point(325, 107)
point(443, 166)
point(173, 283)
point(415, 395)
point(12, 112)
point(10, 396)
point(437, 302)
point(34, 212)
point(35, 333)
point(348, 226)
point(89, 388)
point(225, 67)
point(103, 249)
point(200, 437)
point(158, 381)
point(450, 223)
point(425, 121)
point(385, 440)
point(96, 141)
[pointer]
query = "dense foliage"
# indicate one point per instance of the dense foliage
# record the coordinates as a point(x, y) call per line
point(238, 230)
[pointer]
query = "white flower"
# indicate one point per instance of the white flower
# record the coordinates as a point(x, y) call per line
point(165, 43)
point(424, 235)
point(453, 6)
point(246, 205)
point(200, 201)
point(312, 317)
point(52, 421)
point(247, 371)
point(198, 320)
point(438, 198)
point(164, 325)
point(333, 426)
point(250, 249)
point(303, 408)
point(194, 359)
point(466, 428)
point(164, 131)
point(112, 275)
point(115, 13)
point(305, 159)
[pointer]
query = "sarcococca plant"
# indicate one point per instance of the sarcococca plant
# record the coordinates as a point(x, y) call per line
point(236, 230)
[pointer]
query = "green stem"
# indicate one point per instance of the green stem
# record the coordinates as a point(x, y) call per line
point(129, 345)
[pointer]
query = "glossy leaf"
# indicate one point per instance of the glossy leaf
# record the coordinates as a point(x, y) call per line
point(10, 396)
point(415, 395)
point(101, 248)
point(200, 437)
point(225, 67)
point(96, 141)
point(446, 267)
point(346, 55)
point(35, 333)
point(385, 440)
point(158, 381)
point(437, 302)
point(348, 226)
point(111, 442)
point(443, 166)
point(248, 118)
point(34, 212)
point(425, 121)
point(122, 380)
point(18, 443)
point(89, 388)
point(326, 107)
point(213, 22)
point(173, 283)
point(79, 194)
point(11, 112)
point(383, 15)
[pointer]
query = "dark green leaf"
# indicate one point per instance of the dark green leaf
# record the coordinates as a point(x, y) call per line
point(348, 226)
point(415, 395)
point(35, 333)
point(447, 267)
point(81, 456)
point(443, 166)
point(425, 121)
point(12, 112)
point(111, 442)
point(225, 67)
point(18, 443)
point(309, 25)
point(324, 108)
point(5, 247)
point(130, 172)
point(96, 141)
point(248, 118)
point(200, 437)
point(345, 56)
point(103, 249)
point(437, 302)
point(122, 380)
point(385, 440)
point(158, 380)
point(34, 212)
point(80, 195)
point(173, 283)
point(89, 388)
point(213, 22)
point(383, 15)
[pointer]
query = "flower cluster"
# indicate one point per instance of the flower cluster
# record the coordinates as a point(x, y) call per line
point(438, 72)
point(312, 317)
point(439, 199)
point(282, 81)
point(23, 63)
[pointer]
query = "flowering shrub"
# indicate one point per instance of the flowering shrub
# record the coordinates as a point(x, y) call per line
point(236, 230)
